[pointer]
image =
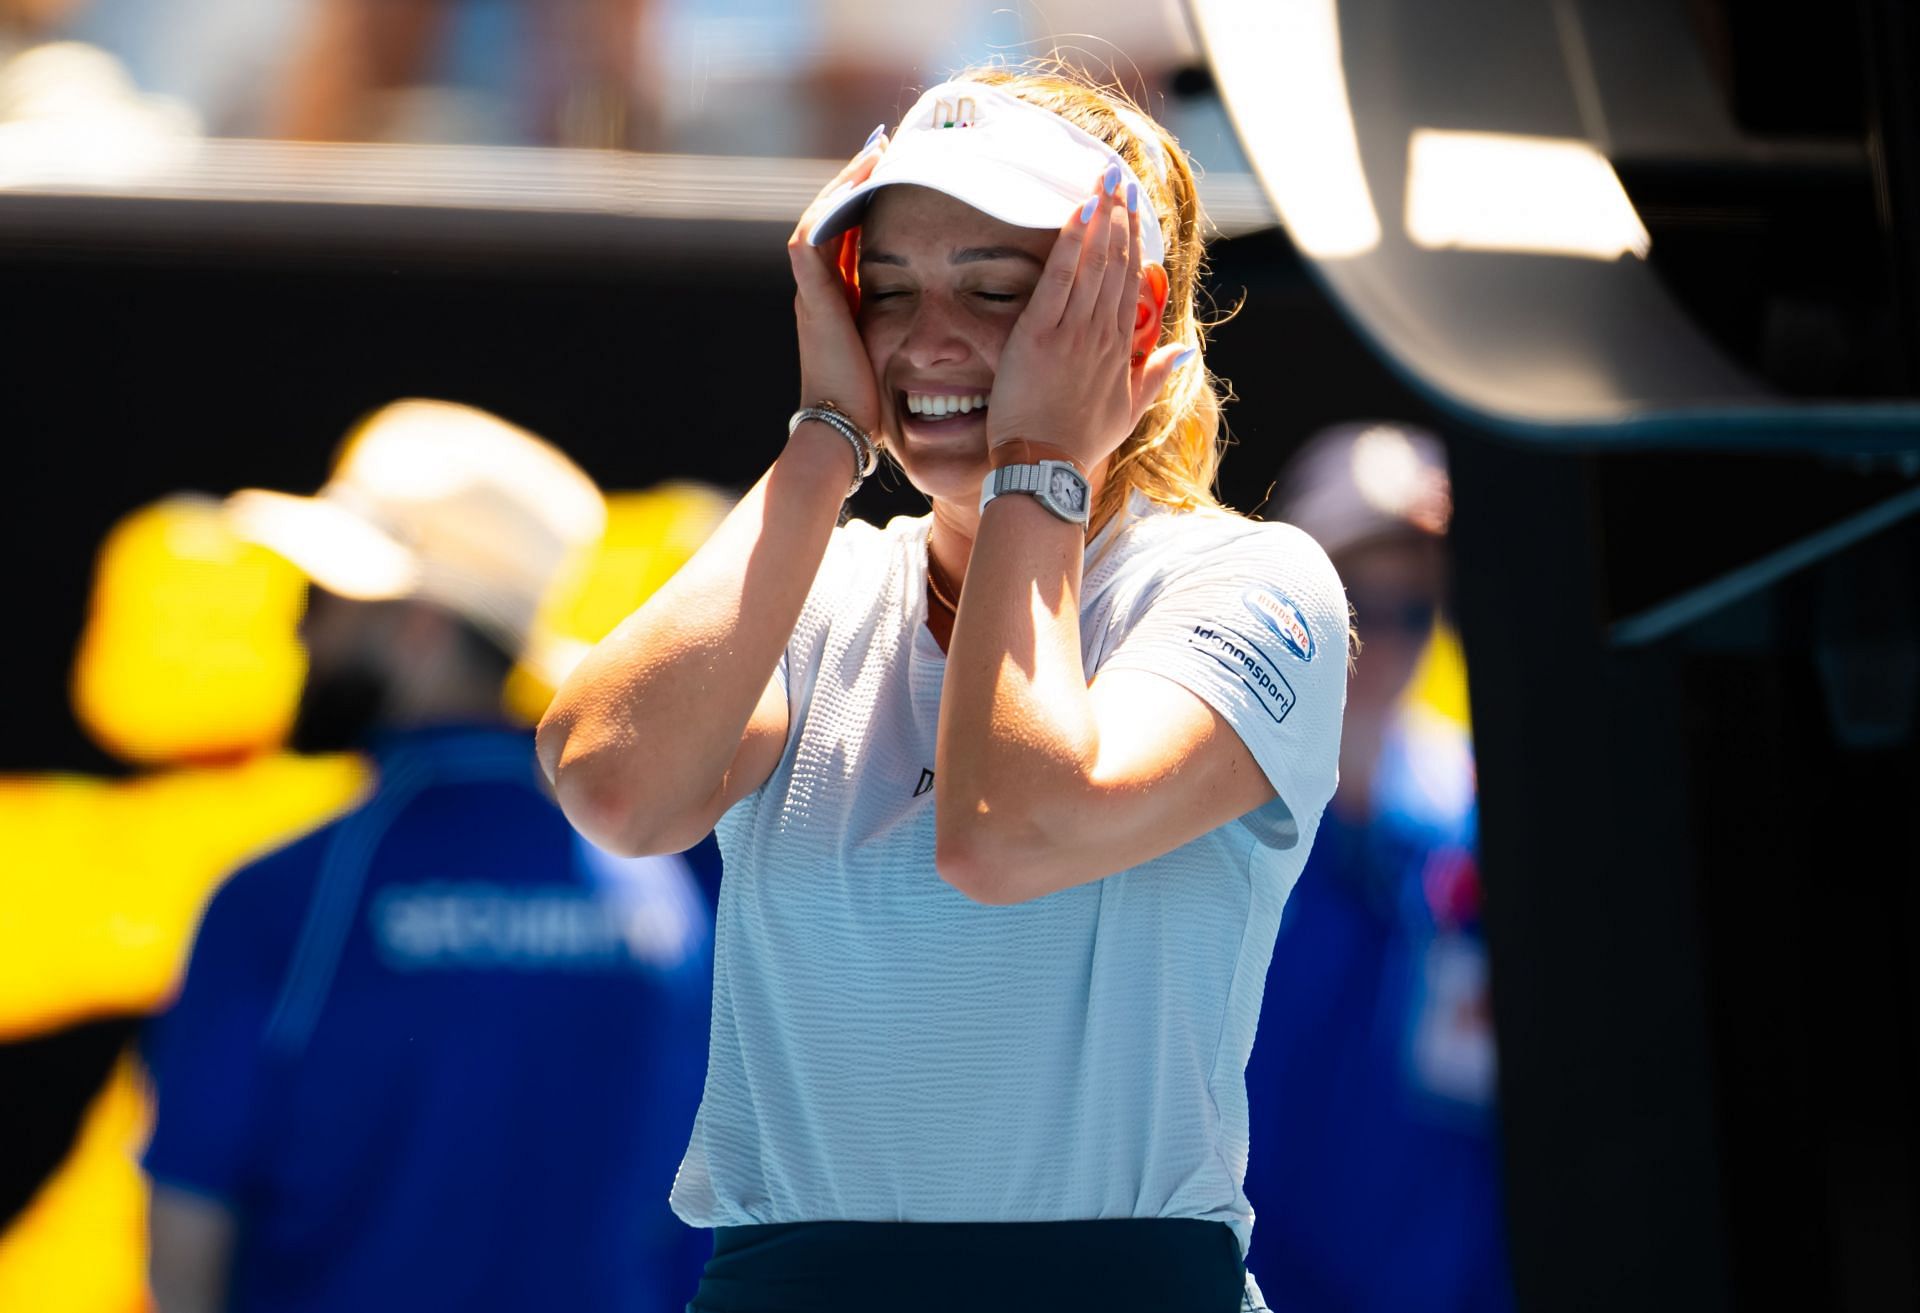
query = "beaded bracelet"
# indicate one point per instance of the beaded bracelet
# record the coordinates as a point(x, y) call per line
point(866, 456)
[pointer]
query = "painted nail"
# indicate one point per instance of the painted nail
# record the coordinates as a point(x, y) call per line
point(1185, 356)
point(1086, 211)
point(1133, 197)
point(874, 136)
point(1110, 183)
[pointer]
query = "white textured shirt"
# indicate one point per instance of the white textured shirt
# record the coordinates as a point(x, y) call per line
point(884, 1048)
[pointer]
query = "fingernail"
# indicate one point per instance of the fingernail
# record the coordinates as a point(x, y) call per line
point(874, 136)
point(1086, 211)
point(1112, 180)
point(1185, 356)
point(1133, 197)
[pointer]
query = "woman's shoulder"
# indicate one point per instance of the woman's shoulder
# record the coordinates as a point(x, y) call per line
point(1161, 541)
point(1213, 565)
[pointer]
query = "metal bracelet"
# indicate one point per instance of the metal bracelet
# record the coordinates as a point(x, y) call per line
point(866, 456)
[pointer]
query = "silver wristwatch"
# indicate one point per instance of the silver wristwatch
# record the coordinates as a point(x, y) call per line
point(1055, 484)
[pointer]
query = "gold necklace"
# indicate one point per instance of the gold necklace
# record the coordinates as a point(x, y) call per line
point(933, 584)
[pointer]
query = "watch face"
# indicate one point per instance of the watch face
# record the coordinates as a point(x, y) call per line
point(1066, 491)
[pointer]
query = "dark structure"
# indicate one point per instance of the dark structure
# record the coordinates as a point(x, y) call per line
point(1689, 584)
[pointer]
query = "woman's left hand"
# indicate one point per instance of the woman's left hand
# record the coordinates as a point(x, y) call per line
point(1068, 374)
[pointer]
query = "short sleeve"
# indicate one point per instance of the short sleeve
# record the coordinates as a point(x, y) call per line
point(1255, 625)
point(205, 1052)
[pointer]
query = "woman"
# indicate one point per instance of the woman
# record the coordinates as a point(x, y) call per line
point(1009, 811)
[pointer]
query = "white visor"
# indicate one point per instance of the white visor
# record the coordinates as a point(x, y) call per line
point(1017, 162)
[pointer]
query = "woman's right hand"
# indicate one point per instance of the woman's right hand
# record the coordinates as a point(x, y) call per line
point(833, 359)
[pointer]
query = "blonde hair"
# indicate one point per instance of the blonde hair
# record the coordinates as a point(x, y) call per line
point(1173, 454)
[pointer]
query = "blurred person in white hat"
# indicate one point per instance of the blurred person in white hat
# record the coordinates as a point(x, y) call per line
point(1375, 495)
point(430, 551)
point(1010, 794)
point(436, 1053)
point(1371, 1085)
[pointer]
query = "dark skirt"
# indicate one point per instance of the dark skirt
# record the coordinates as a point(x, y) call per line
point(1129, 1265)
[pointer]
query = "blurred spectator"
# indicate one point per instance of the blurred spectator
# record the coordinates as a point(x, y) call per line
point(189, 668)
point(69, 111)
point(27, 22)
point(878, 53)
point(544, 72)
point(440, 1053)
point(222, 58)
point(730, 77)
point(1374, 1167)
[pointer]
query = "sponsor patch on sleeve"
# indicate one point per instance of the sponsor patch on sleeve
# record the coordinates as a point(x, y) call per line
point(1280, 617)
point(1253, 666)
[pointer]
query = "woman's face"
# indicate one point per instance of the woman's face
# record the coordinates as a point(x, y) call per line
point(941, 285)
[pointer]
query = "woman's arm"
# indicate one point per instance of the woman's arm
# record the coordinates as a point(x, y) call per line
point(674, 717)
point(1041, 781)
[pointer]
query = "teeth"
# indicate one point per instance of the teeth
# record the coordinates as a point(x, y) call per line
point(939, 407)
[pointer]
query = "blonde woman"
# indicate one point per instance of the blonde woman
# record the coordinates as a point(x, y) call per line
point(1010, 794)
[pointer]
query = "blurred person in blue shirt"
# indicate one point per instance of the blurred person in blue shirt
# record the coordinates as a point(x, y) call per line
point(440, 1054)
point(1374, 1165)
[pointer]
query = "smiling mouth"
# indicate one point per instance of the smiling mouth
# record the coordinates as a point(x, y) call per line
point(940, 408)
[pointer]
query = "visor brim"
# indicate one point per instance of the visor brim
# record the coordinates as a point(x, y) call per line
point(998, 190)
point(342, 552)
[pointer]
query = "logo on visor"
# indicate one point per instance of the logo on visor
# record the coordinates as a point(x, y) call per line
point(951, 114)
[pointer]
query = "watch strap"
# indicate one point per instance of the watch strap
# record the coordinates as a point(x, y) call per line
point(1024, 451)
point(1036, 481)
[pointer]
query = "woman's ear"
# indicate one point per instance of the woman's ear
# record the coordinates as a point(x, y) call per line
point(1150, 309)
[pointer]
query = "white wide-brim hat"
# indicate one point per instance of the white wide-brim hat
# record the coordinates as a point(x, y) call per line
point(444, 503)
point(1009, 159)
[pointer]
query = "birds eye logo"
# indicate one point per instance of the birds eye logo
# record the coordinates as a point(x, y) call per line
point(1276, 611)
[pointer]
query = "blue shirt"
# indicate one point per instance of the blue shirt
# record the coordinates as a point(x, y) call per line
point(442, 1053)
point(1374, 1163)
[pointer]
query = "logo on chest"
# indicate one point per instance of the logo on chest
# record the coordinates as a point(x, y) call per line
point(925, 785)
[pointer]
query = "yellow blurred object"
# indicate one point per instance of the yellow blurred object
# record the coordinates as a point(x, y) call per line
point(191, 654)
point(105, 879)
point(80, 1246)
point(649, 535)
point(1440, 681)
point(191, 650)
